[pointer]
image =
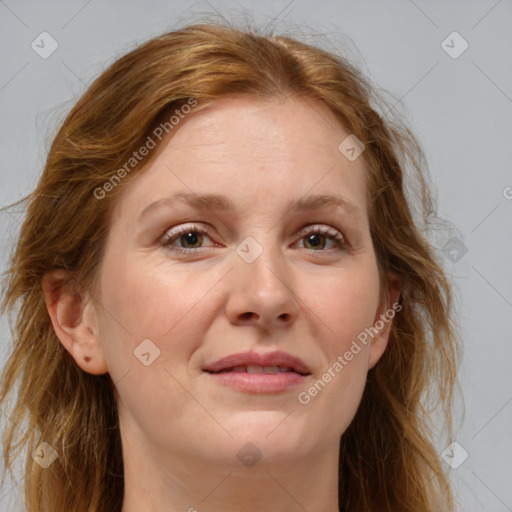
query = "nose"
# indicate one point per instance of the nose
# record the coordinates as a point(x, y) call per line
point(262, 293)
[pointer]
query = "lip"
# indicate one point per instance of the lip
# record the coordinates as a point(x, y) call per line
point(260, 382)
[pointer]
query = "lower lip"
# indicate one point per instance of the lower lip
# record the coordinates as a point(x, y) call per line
point(259, 382)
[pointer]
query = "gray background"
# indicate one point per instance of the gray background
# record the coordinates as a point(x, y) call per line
point(460, 108)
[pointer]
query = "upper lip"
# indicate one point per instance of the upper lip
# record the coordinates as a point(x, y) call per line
point(251, 358)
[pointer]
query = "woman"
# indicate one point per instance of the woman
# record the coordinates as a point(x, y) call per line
point(225, 302)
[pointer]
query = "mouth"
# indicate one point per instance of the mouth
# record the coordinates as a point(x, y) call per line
point(255, 370)
point(259, 373)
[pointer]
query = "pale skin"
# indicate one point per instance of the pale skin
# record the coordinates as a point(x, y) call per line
point(181, 431)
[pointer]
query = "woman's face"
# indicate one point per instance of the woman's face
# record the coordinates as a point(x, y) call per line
point(249, 274)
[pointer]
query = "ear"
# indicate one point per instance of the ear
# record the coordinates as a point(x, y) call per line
point(74, 321)
point(383, 320)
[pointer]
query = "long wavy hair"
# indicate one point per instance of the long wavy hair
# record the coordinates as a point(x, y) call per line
point(388, 460)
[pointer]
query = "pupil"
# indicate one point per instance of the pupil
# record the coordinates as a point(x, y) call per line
point(191, 238)
point(314, 240)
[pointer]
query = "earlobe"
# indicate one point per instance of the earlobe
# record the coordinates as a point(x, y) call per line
point(74, 321)
point(384, 320)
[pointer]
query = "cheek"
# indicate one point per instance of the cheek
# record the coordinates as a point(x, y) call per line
point(162, 303)
point(170, 307)
point(346, 303)
point(333, 397)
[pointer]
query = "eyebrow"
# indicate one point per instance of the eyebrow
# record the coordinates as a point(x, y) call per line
point(220, 203)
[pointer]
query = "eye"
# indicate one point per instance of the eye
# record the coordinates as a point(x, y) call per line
point(316, 238)
point(189, 237)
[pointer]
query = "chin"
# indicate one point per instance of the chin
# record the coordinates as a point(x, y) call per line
point(277, 438)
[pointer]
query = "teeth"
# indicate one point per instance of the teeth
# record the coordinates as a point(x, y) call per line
point(254, 369)
point(272, 370)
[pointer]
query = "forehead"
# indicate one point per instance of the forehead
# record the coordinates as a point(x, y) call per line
point(268, 128)
point(255, 152)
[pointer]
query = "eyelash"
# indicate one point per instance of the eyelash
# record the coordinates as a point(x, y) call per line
point(331, 234)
